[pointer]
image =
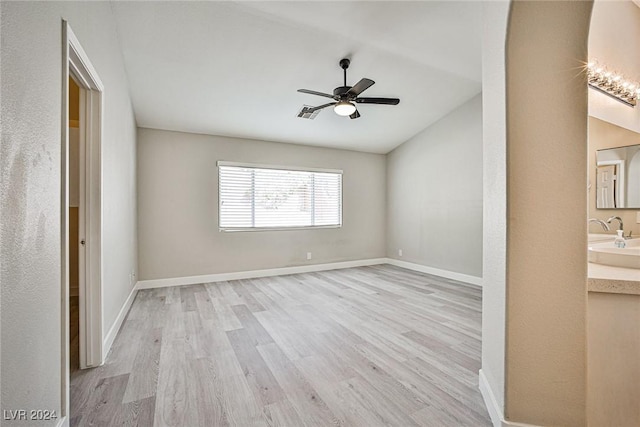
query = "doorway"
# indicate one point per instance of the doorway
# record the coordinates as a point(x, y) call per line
point(74, 225)
point(81, 213)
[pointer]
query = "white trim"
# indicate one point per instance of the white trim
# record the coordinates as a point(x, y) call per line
point(220, 277)
point(113, 331)
point(75, 63)
point(91, 131)
point(83, 69)
point(90, 212)
point(472, 280)
point(495, 411)
point(279, 167)
point(303, 227)
point(252, 274)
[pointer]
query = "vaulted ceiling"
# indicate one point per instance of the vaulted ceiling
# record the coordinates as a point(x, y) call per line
point(233, 68)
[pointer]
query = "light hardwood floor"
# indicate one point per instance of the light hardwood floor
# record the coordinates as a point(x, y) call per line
point(368, 346)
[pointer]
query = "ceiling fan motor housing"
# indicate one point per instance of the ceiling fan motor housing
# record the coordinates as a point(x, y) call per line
point(341, 91)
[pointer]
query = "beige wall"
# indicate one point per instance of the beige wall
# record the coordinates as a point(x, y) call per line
point(30, 166)
point(434, 194)
point(614, 362)
point(606, 135)
point(178, 207)
point(614, 40)
point(546, 268)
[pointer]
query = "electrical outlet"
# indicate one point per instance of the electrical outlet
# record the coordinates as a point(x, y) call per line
point(399, 252)
point(638, 217)
point(308, 255)
point(132, 278)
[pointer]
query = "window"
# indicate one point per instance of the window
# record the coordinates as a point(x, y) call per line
point(268, 197)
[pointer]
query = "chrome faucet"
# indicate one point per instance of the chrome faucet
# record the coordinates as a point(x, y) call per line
point(621, 227)
point(603, 224)
point(617, 218)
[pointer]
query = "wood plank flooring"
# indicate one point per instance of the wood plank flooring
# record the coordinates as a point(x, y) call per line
point(368, 346)
point(74, 334)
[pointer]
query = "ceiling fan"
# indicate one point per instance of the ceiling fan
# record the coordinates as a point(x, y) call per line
point(345, 96)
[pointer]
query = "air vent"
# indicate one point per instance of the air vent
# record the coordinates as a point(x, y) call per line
point(305, 114)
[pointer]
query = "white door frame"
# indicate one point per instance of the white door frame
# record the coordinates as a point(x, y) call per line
point(77, 65)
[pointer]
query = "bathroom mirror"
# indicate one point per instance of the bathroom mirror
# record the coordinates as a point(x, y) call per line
point(618, 178)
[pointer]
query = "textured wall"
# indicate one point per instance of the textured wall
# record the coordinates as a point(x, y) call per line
point(178, 207)
point(546, 202)
point(30, 160)
point(434, 194)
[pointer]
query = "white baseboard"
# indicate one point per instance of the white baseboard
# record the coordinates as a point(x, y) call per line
point(473, 280)
point(252, 274)
point(495, 411)
point(220, 277)
point(490, 401)
point(113, 331)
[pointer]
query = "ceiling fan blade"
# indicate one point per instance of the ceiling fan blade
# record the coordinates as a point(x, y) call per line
point(355, 115)
point(360, 87)
point(320, 107)
point(313, 92)
point(385, 101)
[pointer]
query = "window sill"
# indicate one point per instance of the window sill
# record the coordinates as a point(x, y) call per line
point(235, 230)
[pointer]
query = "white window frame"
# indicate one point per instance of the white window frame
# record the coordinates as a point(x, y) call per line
point(283, 168)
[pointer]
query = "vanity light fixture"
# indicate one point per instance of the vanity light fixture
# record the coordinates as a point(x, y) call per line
point(612, 83)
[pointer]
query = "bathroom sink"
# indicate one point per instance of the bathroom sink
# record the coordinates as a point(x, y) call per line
point(606, 253)
point(594, 238)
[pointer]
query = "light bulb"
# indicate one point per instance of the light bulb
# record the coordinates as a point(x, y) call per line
point(344, 108)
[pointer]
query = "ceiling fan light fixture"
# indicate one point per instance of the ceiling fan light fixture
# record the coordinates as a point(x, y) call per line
point(345, 96)
point(344, 108)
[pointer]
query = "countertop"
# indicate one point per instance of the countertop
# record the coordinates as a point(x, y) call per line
point(614, 280)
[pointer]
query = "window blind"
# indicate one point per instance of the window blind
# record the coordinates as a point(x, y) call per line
point(258, 197)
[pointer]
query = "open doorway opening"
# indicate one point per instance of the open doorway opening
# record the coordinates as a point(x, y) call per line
point(81, 214)
point(74, 225)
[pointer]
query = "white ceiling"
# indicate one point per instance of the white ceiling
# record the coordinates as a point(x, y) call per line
point(233, 68)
